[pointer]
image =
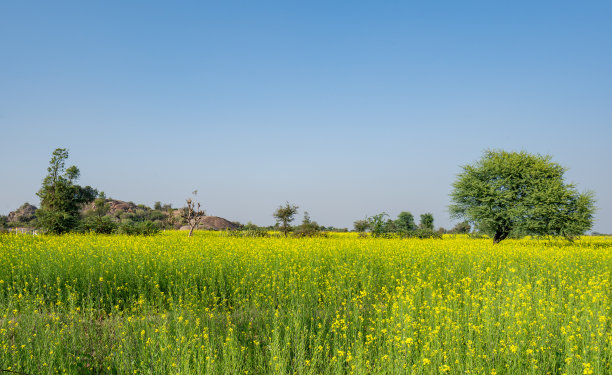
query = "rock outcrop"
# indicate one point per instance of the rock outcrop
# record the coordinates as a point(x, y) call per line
point(214, 223)
point(116, 207)
point(23, 214)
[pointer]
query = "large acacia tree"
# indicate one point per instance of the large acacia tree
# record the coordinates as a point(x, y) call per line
point(517, 193)
point(60, 198)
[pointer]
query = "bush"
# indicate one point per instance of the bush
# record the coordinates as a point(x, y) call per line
point(252, 232)
point(377, 224)
point(156, 216)
point(104, 225)
point(3, 222)
point(141, 228)
point(462, 228)
point(422, 234)
point(299, 233)
point(306, 230)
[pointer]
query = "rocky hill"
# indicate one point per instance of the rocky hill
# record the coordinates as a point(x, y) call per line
point(116, 207)
point(214, 223)
point(23, 214)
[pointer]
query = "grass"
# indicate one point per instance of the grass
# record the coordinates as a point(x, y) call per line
point(168, 304)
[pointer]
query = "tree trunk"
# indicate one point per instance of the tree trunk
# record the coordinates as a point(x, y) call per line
point(191, 231)
point(499, 236)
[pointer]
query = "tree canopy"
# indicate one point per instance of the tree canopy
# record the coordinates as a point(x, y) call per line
point(361, 225)
point(284, 215)
point(517, 193)
point(60, 198)
point(427, 221)
point(405, 221)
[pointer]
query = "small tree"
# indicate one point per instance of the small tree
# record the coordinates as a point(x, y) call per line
point(427, 221)
point(308, 228)
point(462, 228)
point(378, 224)
point(60, 198)
point(285, 215)
point(516, 193)
point(192, 213)
point(361, 226)
point(96, 219)
point(100, 207)
point(405, 222)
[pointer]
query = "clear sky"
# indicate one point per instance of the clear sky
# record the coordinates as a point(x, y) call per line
point(346, 109)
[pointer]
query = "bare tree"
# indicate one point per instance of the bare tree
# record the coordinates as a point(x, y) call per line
point(192, 213)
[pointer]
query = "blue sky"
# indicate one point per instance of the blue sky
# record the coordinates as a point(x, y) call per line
point(346, 109)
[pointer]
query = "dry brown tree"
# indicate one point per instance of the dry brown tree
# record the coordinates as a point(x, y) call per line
point(192, 213)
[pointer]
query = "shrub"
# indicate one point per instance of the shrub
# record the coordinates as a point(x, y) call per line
point(252, 233)
point(142, 228)
point(423, 233)
point(104, 225)
point(308, 228)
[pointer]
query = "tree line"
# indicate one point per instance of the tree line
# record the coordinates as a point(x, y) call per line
point(502, 195)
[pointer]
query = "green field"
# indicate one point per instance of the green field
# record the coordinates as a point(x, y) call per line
point(211, 304)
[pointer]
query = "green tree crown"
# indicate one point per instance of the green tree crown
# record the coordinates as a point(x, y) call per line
point(427, 221)
point(517, 193)
point(60, 198)
point(284, 215)
point(405, 222)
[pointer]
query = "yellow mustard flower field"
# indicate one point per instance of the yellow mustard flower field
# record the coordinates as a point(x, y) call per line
point(213, 304)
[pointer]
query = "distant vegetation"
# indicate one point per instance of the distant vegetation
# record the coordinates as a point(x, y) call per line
point(404, 226)
point(503, 195)
point(284, 215)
